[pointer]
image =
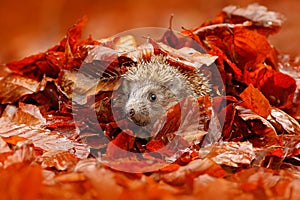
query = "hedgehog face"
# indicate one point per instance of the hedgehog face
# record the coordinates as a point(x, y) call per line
point(153, 86)
point(147, 101)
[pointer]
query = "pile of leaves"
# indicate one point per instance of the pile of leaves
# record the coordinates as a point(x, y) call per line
point(53, 146)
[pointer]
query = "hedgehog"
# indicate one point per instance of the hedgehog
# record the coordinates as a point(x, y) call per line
point(153, 86)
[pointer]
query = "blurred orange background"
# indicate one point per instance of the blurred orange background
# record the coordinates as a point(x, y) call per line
point(31, 26)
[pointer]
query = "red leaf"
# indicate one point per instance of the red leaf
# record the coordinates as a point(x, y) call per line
point(276, 152)
point(26, 64)
point(169, 123)
point(184, 119)
point(279, 88)
point(229, 118)
point(74, 34)
point(155, 145)
point(121, 145)
point(35, 66)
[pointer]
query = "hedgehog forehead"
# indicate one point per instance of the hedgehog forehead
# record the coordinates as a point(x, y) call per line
point(156, 70)
point(143, 87)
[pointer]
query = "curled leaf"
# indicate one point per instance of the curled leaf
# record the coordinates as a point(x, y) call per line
point(287, 123)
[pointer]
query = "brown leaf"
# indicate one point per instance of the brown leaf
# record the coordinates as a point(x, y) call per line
point(285, 121)
point(258, 14)
point(257, 124)
point(62, 123)
point(27, 114)
point(91, 79)
point(290, 65)
point(13, 87)
point(291, 145)
point(188, 56)
point(44, 139)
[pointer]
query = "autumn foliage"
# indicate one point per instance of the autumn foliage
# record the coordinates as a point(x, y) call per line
point(61, 138)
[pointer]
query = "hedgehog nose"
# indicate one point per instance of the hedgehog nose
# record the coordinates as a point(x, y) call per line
point(131, 112)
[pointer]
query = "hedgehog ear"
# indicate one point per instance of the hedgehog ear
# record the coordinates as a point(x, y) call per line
point(175, 85)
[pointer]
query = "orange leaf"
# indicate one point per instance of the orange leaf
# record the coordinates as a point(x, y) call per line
point(21, 182)
point(14, 139)
point(250, 47)
point(169, 168)
point(256, 101)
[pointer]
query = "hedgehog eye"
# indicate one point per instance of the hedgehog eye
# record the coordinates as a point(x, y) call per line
point(152, 97)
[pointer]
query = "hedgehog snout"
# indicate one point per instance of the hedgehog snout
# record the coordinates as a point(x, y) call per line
point(131, 112)
point(138, 114)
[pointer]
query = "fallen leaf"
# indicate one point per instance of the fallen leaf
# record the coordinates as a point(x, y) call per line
point(230, 153)
point(4, 147)
point(287, 123)
point(15, 86)
point(60, 160)
point(121, 145)
point(21, 181)
point(256, 101)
